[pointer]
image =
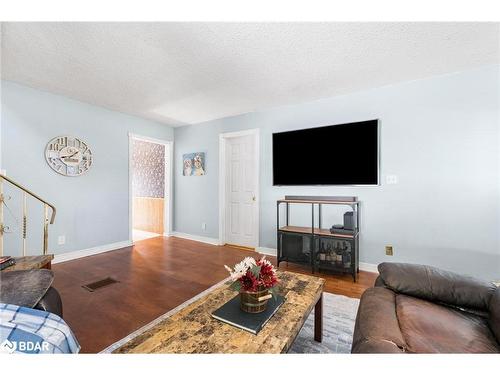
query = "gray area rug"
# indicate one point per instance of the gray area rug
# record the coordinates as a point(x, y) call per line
point(339, 315)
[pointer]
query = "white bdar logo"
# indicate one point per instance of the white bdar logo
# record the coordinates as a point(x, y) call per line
point(7, 347)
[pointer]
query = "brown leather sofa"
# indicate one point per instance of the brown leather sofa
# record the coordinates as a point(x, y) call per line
point(422, 309)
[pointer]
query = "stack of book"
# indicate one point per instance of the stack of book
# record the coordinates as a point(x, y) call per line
point(6, 261)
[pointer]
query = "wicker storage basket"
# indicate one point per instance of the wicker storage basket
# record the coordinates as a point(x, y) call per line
point(255, 302)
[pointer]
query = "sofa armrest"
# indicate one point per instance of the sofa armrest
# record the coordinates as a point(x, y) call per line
point(379, 282)
point(494, 318)
point(376, 346)
point(51, 302)
point(377, 328)
point(436, 285)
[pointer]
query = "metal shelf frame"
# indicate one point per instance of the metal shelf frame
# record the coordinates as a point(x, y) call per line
point(318, 232)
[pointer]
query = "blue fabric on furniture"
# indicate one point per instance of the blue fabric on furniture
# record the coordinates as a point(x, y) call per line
point(25, 330)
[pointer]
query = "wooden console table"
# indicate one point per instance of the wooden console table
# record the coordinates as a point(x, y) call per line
point(194, 330)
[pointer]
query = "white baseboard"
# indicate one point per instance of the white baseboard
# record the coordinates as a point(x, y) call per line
point(368, 267)
point(266, 250)
point(193, 237)
point(60, 258)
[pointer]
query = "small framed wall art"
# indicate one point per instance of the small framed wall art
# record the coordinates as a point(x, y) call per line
point(193, 164)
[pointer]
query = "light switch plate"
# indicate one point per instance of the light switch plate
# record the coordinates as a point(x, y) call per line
point(391, 179)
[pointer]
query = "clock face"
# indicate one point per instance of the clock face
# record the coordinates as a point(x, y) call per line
point(68, 156)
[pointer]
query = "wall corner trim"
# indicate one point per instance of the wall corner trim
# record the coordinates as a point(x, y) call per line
point(72, 255)
point(193, 237)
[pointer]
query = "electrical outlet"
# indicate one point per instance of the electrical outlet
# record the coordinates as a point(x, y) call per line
point(388, 250)
point(61, 240)
point(204, 226)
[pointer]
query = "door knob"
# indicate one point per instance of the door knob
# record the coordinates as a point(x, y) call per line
point(254, 198)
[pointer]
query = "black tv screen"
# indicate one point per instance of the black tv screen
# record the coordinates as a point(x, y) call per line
point(345, 154)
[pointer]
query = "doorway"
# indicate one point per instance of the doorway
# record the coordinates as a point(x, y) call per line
point(150, 187)
point(239, 188)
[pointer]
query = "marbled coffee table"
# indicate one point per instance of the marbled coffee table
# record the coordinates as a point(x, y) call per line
point(34, 262)
point(194, 330)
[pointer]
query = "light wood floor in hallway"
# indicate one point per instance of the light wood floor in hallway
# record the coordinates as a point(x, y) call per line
point(155, 276)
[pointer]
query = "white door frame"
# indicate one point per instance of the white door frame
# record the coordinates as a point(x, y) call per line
point(169, 159)
point(223, 137)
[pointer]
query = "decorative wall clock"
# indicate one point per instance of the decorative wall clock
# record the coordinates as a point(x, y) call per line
point(68, 156)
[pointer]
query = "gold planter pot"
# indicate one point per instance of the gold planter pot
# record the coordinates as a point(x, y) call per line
point(255, 302)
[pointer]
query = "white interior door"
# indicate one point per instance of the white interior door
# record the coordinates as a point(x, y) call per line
point(241, 192)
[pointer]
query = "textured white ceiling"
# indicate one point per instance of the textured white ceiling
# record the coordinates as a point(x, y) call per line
point(182, 73)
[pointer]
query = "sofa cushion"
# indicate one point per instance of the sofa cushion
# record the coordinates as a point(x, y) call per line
point(494, 318)
point(377, 329)
point(436, 285)
point(431, 328)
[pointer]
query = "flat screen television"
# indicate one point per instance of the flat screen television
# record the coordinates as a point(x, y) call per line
point(345, 154)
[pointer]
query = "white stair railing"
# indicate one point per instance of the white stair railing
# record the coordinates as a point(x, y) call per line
point(24, 209)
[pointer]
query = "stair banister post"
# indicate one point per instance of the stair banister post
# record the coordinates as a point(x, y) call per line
point(1, 215)
point(25, 221)
point(45, 228)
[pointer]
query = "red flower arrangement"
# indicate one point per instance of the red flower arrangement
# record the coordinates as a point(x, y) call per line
point(250, 275)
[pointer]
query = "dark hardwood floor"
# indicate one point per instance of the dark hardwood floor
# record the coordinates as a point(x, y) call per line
point(154, 275)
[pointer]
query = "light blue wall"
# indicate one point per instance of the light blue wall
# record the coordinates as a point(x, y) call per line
point(440, 136)
point(93, 209)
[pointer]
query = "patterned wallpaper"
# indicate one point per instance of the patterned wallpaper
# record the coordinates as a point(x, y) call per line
point(148, 169)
